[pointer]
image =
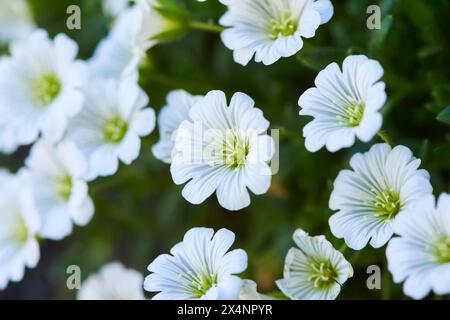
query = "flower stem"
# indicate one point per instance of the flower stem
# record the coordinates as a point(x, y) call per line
point(385, 137)
point(343, 248)
point(205, 26)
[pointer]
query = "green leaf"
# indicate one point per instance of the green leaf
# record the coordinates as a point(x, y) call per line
point(379, 36)
point(444, 116)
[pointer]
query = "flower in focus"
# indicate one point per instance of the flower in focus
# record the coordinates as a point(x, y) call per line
point(314, 270)
point(109, 127)
point(59, 189)
point(19, 225)
point(199, 267)
point(345, 104)
point(223, 149)
point(383, 184)
point(113, 282)
point(271, 29)
point(16, 21)
point(420, 256)
point(179, 103)
point(40, 86)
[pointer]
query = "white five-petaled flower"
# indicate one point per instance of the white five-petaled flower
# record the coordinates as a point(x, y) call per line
point(59, 190)
point(109, 127)
point(271, 29)
point(16, 21)
point(179, 103)
point(223, 149)
point(19, 225)
point(314, 270)
point(113, 282)
point(420, 256)
point(383, 184)
point(345, 104)
point(199, 267)
point(40, 86)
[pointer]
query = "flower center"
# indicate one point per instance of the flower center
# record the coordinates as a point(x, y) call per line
point(443, 250)
point(283, 27)
point(114, 130)
point(235, 151)
point(387, 204)
point(323, 274)
point(46, 88)
point(64, 187)
point(199, 284)
point(20, 234)
point(354, 114)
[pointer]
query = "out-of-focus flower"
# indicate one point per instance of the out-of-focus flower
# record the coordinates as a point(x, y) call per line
point(59, 189)
point(199, 267)
point(16, 21)
point(383, 184)
point(249, 292)
point(314, 270)
point(420, 256)
point(18, 228)
point(345, 104)
point(114, 8)
point(271, 29)
point(40, 86)
point(109, 127)
point(179, 103)
point(113, 282)
point(223, 149)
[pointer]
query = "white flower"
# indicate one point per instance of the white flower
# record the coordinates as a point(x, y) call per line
point(314, 270)
point(420, 256)
point(40, 86)
point(114, 7)
point(19, 225)
point(271, 29)
point(179, 103)
point(59, 190)
point(110, 125)
point(113, 282)
point(224, 149)
point(118, 54)
point(199, 267)
point(16, 21)
point(345, 104)
point(249, 292)
point(383, 184)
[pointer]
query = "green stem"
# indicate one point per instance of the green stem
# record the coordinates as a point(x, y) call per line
point(343, 248)
point(204, 26)
point(385, 137)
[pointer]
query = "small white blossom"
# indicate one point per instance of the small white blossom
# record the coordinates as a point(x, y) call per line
point(420, 256)
point(199, 267)
point(223, 149)
point(113, 282)
point(59, 189)
point(383, 184)
point(109, 127)
point(314, 270)
point(271, 29)
point(40, 86)
point(345, 104)
point(19, 225)
point(179, 103)
point(114, 8)
point(16, 21)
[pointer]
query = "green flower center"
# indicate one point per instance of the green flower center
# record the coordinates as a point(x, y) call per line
point(46, 88)
point(20, 234)
point(283, 27)
point(323, 274)
point(443, 250)
point(387, 204)
point(354, 114)
point(114, 130)
point(64, 188)
point(235, 151)
point(199, 284)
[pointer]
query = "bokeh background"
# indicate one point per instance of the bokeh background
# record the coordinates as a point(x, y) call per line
point(140, 212)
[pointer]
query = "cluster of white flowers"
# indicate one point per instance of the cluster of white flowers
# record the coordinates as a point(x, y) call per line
point(80, 132)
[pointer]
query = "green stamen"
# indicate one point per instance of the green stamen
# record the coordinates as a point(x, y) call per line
point(46, 88)
point(65, 188)
point(387, 204)
point(235, 152)
point(284, 27)
point(323, 274)
point(114, 130)
point(443, 250)
point(200, 284)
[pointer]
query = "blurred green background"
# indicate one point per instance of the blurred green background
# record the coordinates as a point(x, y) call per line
point(140, 212)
